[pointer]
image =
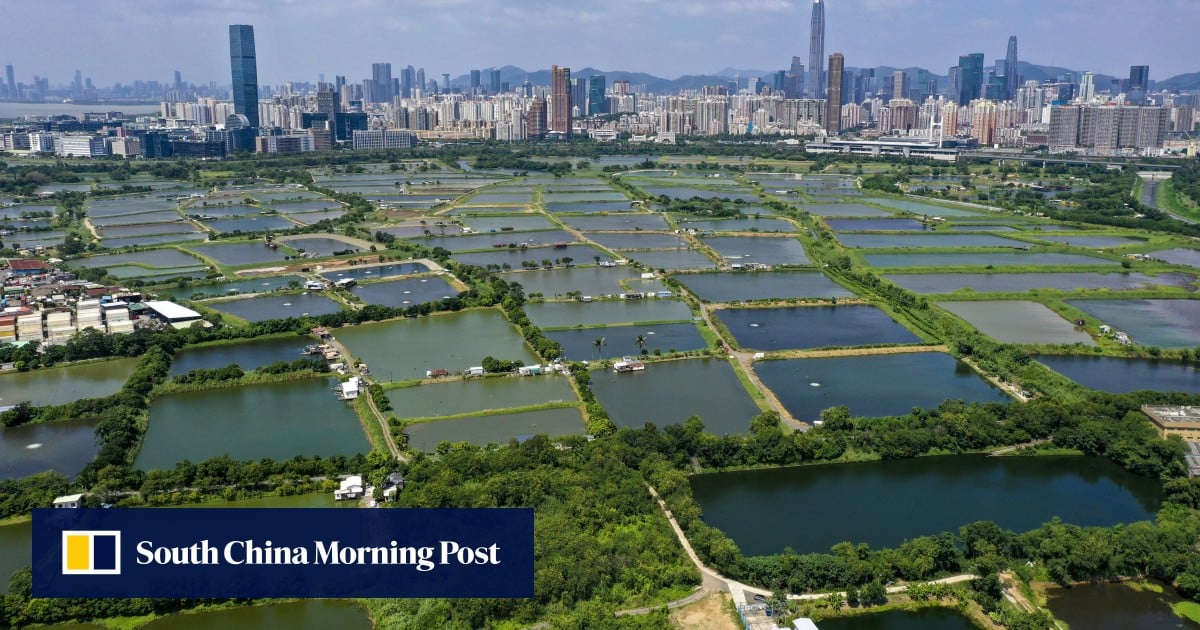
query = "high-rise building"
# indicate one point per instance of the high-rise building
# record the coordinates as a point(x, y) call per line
point(535, 119)
point(1139, 83)
point(816, 51)
point(446, 82)
point(408, 81)
point(474, 81)
point(970, 77)
point(178, 81)
point(1087, 87)
point(560, 100)
point(494, 81)
point(833, 96)
point(1011, 81)
point(13, 92)
point(245, 72)
point(419, 81)
point(597, 102)
point(899, 84)
point(381, 75)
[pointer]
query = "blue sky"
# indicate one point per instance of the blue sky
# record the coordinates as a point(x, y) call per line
point(120, 40)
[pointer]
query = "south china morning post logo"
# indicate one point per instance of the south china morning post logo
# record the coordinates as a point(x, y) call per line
point(265, 553)
point(91, 552)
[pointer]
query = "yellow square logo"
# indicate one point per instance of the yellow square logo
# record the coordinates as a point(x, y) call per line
point(91, 552)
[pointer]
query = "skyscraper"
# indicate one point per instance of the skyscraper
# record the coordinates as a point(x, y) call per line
point(597, 102)
point(833, 98)
point(560, 100)
point(1087, 87)
point(381, 74)
point(970, 77)
point(1139, 83)
point(1010, 70)
point(816, 51)
point(474, 81)
point(245, 72)
point(13, 92)
point(494, 81)
point(899, 83)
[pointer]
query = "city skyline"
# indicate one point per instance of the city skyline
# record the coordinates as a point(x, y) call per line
point(673, 38)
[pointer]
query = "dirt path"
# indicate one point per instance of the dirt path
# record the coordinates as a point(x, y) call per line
point(707, 614)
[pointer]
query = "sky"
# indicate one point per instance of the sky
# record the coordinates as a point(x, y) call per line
point(122, 40)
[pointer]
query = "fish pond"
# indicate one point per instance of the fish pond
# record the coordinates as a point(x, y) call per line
point(607, 312)
point(1164, 323)
point(638, 240)
point(884, 241)
point(590, 207)
point(405, 349)
point(249, 355)
point(740, 287)
point(457, 396)
point(320, 246)
point(916, 207)
point(871, 386)
point(262, 308)
point(627, 222)
point(65, 447)
point(398, 293)
point(497, 428)
point(1120, 375)
point(764, 511)
point(374, 271)
point(1010, 282)
point(250, 224)
point(61, 385)
point(277, 420)
point(874, 225)
point(738, 225)
point(309, 614)
point(989, 259)
point(1093, 242)
point(843, 210)
point(763, 250)
point(514, 257)
point(590, 280)
point(516, 223)
point(1180, 256)
point(489, 240)
point(579, 344)
point(262, 284)
point(813, 327)
point(1116, 607)
point(672, 391)
point(1019, 321)
point(235, 254)
point(672, 260)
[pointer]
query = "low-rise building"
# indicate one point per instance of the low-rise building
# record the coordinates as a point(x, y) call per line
point(1175, 420)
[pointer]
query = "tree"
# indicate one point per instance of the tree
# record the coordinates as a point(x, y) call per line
point(640, 342)
point(598, 344)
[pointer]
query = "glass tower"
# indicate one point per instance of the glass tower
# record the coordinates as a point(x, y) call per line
point(245, 72)
point(816, 52)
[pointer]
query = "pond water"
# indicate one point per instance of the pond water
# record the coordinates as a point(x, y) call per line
point(239, 253)
point(569, 314)
point(496, 429)
point(155, 275)
point(997, 259)
point(738, 225)
point(867, 225)
point(320, 246)
point(572, 197)
point(736, 287)
point(33, 448)
point(60, 385)
point(687, 192)
point(981, 227)
point(1006, 282)
point(311, 614)
point(478, 210)
point(1093, 242)
point(1181, 256)
point(579, 344)
point(639, 240)
point(154, 216)
point(165, 258)
point(621, 222)
point(249, 355)
point(489, 240)
point(488, 198)
point(457, 396)
point(1115, 607)
point(276, 420)
point(374, 272)
point(262, 308)
point(672, 260)
point(309, 218)
point(513, 257)
point(880, 241)
point(590, 207)
point(147, 229)
point(261, 284)
point(813, 327)
point(250, 224)
point(1165, 323)
point(916, 207)
point(763, 250)
point(767, 510)
point(672, 391)
point(405, 349)
point(142, 241)
point(517, 223)
point(1019, 321)
point(1120, 375)
point(880, 385)
point(398, 293)
point(926, 619)
point(294, 207)
point(590, 280)
point(843, 210)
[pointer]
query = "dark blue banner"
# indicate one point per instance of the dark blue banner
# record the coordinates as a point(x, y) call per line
point(240, 552)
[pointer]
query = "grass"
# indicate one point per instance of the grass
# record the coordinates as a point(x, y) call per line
point(1187, 610)
point(1172, 201)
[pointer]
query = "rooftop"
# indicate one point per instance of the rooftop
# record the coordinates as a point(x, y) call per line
point(1174, 416)
point(26, 264)
point(171, 310)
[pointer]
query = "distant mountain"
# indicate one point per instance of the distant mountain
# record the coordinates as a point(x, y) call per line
point(515, 76)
